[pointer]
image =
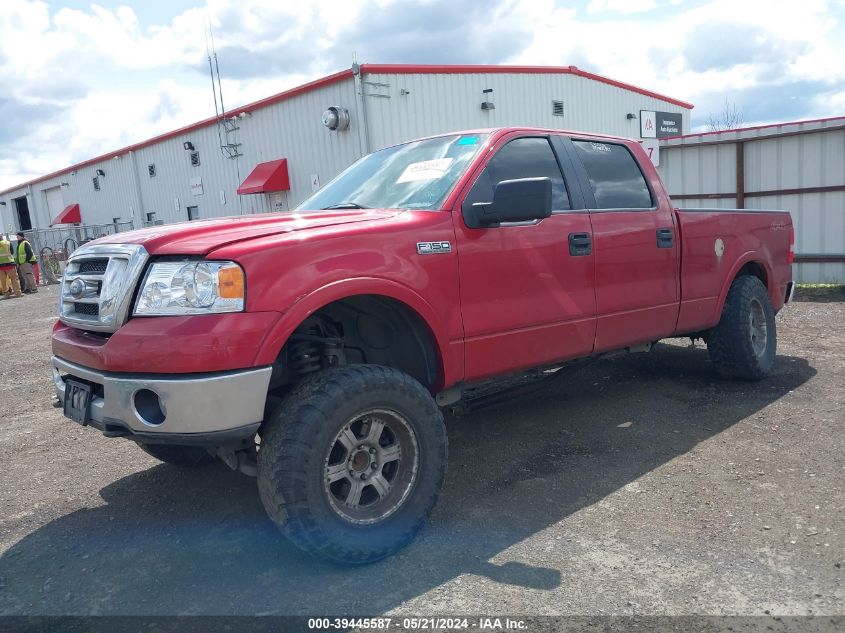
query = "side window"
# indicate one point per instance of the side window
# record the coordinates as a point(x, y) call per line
point(521, 158)
point(614, 175)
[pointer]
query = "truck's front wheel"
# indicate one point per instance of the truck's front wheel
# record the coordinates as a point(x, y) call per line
point(352, 462)
point(744, 342)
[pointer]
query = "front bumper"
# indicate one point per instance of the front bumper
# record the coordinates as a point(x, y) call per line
point(200, 409)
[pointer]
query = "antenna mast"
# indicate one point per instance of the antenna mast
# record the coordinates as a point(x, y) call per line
point(228, 147)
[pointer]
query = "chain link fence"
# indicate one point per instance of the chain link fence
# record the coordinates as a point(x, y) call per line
point(52, 247)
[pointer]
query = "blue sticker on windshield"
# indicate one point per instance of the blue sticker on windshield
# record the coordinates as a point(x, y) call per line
point(468, 140)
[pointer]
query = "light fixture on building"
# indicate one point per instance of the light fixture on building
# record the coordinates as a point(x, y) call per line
point(188, 146)
point(2, 203)
point(630, 116)
point(336, 118)
point(64, 184)
point(488, 104)
point(100, 172)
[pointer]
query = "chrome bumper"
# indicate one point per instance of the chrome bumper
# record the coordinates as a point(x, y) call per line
point(191, 409)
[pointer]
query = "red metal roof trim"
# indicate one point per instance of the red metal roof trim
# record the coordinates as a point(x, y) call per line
point(267, 177)
point(407, 69)
point(69, 215)
point(347, 74)
point(757, 127)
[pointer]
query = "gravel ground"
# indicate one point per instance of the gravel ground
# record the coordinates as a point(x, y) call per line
point(640, 484)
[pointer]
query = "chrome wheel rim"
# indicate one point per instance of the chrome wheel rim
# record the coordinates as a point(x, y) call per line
point(371, 466)
point(759, 328)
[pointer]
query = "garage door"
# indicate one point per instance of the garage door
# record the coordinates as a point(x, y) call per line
point(55, 204)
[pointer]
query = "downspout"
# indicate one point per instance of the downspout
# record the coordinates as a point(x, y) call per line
point(363, 129)
point(138, 195)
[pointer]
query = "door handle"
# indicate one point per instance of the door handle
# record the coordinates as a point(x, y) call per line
point(665, 238)
point(580, 244)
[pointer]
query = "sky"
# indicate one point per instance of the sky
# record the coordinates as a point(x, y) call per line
point(78, 79)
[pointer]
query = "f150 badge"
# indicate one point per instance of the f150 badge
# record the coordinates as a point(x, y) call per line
point(431, 248)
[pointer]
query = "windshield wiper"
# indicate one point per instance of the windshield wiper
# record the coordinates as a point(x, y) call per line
point(345, 205)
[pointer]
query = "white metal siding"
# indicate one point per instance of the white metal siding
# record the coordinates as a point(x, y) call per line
point(814, 159)
point(438, 103)
point(293, 129)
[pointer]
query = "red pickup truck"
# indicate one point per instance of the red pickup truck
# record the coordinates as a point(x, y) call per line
point(314, 349)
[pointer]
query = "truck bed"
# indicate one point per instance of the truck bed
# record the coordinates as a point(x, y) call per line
point(715, 245)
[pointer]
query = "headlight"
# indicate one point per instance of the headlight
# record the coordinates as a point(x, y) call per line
point(191, 287)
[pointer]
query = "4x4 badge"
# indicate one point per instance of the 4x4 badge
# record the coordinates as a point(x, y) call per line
point(430, 248)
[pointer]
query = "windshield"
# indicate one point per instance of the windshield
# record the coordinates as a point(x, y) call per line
point(416, 175)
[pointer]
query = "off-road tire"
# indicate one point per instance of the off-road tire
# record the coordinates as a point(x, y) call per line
point(187, 456)
point(730, 344)
point(298, 437)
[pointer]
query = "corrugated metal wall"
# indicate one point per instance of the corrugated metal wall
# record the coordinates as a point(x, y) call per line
point(292, 129)
point(778, 160)
point(437, 103)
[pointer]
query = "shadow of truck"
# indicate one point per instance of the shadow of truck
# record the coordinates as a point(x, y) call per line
point(198, 542)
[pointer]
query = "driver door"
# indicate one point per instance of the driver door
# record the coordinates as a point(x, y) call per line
point(527, 294)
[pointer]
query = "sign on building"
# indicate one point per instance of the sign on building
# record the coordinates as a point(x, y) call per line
point(652, 148)
point(660, 124)
point(196, 186)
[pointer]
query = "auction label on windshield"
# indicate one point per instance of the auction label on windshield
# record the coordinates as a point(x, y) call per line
point(425, 170)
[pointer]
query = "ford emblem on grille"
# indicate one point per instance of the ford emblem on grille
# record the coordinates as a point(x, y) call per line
point(77, 288)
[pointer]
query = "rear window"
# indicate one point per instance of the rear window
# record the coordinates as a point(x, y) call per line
point(615, 176)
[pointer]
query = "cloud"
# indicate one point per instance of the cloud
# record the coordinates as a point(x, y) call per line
point(21, 119)
point(723, 45)
point(86, 81)
point(621, 6)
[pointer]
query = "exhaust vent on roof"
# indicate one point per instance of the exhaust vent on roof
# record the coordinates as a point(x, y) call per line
point(195, 159)
point(557, 108)
point(151, 168)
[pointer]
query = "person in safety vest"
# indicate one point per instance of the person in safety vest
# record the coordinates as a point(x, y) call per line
point(8, 272)
point(25, 258)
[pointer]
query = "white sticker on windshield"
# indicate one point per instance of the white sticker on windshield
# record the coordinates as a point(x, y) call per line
point(426, 170)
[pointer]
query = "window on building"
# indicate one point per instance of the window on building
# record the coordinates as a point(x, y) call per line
point(151, 218)
point(521, 158)
point(557, 108)
point(193, 213)
point(151, 170)
point(195, 159)
point(96, 181)
point(615, 177)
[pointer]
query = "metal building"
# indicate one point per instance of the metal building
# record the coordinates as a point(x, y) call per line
point(271, 154)
point(798, 167)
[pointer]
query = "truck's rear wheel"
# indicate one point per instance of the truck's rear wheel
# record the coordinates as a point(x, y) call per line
point(744, 343)
point(352, 462)
point(189, 456)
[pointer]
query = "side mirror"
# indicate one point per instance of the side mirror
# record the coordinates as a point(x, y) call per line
point(520, 200)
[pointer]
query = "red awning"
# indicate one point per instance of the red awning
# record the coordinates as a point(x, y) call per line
point(70, 215)
point(267, 177)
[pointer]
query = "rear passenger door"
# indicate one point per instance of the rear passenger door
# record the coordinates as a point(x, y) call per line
point(636, 246)
point(526, 287)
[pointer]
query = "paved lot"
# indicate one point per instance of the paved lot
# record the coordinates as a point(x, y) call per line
point(638, 485)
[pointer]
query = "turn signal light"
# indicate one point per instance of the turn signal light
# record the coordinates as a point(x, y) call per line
point(230, 282)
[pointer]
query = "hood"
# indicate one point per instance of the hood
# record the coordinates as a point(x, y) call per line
point(200, 237)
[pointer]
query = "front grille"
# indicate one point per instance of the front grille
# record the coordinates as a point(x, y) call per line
point(90, 309)
point(97, 285)
point(93, 266)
